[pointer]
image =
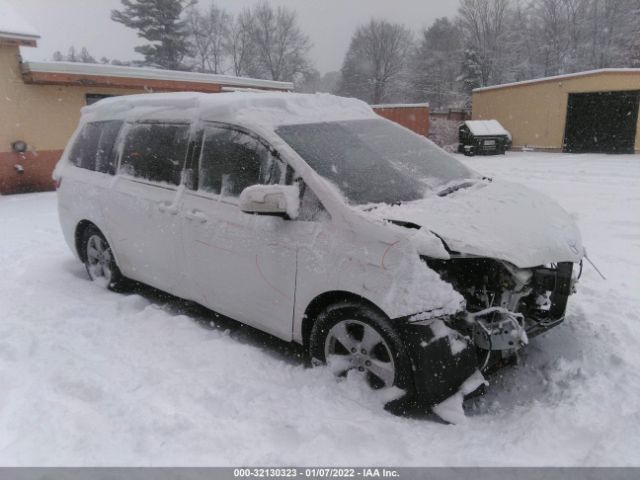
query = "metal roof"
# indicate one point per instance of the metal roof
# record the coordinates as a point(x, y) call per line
point(94, 69)
point(559, 77)
point(13, 26)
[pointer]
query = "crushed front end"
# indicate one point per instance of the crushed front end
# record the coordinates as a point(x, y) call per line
point(506, 305)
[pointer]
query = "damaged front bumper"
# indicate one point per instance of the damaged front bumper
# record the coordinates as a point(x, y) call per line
point(441, 358)
point(445, 351)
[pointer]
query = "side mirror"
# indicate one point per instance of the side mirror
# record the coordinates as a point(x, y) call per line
point(279, 200)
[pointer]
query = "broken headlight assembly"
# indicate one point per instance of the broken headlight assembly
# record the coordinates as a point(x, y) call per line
point(507, 305)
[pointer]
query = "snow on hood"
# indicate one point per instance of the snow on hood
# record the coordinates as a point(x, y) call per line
point(496, 219)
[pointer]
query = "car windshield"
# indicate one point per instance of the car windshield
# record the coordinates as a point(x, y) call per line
point(374, 161)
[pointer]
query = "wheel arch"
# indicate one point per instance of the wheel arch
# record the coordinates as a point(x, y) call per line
point(322, 301)
point(81, 227)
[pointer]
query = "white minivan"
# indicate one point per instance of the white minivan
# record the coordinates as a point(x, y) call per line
point(313, 219)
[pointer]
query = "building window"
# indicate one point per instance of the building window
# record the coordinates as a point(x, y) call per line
point(92, 98)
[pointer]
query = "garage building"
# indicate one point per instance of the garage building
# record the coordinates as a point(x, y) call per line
point(40, 102)
point(584, 112)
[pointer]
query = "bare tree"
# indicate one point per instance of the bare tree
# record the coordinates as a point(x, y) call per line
point(483, 26)
point(376, 61)
point(72, 55)
point(240, 47)
point(208, 33)
point(281, 45)
point(435, 66)
point(86, 57)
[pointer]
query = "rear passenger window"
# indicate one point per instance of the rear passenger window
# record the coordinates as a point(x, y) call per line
point(107, 151)
point(232, 160)
point(155, 152)
point(94, 148)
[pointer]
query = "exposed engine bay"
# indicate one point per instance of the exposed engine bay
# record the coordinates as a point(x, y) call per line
point(506, 305)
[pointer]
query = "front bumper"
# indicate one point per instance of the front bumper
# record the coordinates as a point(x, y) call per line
point(440, 364)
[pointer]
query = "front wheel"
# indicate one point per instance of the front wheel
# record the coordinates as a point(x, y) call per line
point(99, 261)
point(351, 337)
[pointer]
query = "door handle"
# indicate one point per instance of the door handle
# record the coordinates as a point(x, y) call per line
point(196, 215)
point(166, 207)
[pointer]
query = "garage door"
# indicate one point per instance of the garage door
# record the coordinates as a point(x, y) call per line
point(601, 122)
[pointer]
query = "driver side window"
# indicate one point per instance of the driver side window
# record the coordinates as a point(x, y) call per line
point(231, 160)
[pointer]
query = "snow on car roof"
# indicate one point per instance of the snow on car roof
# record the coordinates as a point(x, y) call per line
point(486, 127)
point(267, 109)
point(12, 24)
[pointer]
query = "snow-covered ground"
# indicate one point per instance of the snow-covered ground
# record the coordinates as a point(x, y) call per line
point(89, 377)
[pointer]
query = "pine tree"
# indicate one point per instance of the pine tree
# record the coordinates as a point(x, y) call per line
point(159, 22)
point(72, 56)
point(85, 56)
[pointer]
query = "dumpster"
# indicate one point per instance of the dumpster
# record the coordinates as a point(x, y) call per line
point(483, 137)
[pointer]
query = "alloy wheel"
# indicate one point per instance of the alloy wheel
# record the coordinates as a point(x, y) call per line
point(99, 260)
point(356, 345)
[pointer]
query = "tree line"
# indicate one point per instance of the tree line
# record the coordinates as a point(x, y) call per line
point(488, 42)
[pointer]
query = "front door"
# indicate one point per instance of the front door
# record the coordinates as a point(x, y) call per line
point(240, 265)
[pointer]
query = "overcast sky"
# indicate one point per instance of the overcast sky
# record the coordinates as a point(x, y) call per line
point(329, 24)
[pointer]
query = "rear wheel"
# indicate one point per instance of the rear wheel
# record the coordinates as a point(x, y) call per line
point(99, 261)
point(353, 337)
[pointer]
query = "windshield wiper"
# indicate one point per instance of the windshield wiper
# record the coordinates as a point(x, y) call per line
point(460, 186)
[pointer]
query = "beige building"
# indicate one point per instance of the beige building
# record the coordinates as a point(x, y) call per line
point(40, 102)
point(593, 111)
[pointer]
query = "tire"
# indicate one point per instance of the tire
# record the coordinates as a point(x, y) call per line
point(99, 261)
point(373, 356)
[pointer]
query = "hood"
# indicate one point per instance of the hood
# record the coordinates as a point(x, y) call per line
point(496, 219)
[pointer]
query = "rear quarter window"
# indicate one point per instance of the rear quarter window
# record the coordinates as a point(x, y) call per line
point(94, 148)
point(155, 152)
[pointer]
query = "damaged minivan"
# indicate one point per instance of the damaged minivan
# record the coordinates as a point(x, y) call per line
point(313, 219)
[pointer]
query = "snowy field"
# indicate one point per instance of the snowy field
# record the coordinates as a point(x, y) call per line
point(89, 377)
